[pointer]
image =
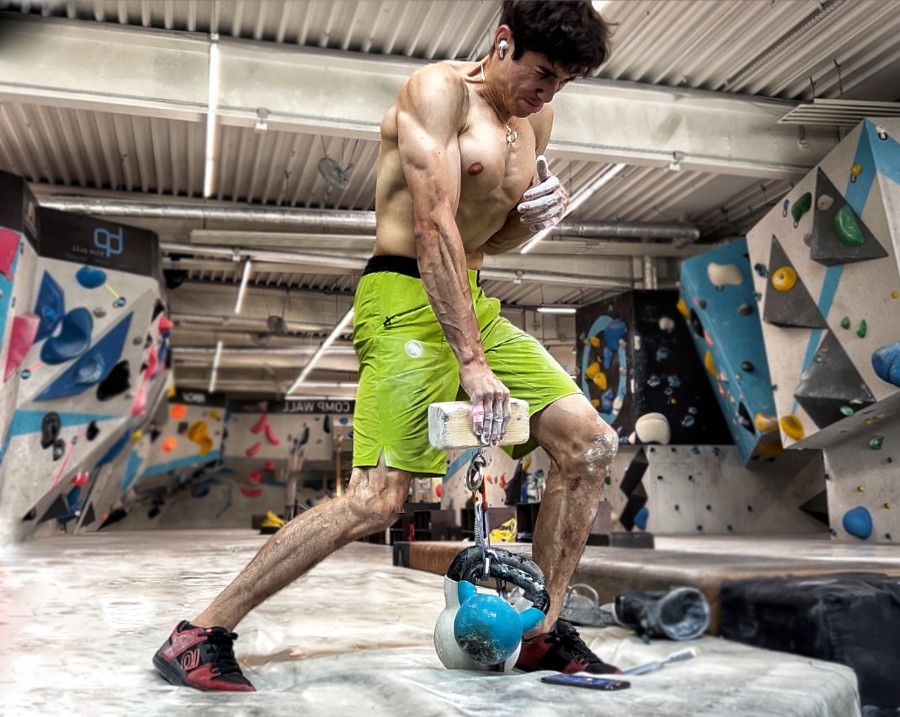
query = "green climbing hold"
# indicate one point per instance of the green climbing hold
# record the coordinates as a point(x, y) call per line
point(607, 480)
point(862, 329)
point(801, 207)
point(846, 228)
point(845, 322)
point(846, 410)
point(875, 443)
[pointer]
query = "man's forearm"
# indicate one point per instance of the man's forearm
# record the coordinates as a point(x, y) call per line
point(512, 234)
point(442, 264)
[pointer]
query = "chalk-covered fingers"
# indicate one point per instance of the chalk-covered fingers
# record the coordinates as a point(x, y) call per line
point(490, 404)
point(544, 204)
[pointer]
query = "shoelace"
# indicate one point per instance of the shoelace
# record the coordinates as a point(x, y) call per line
point(222, 642)
point(571, 644)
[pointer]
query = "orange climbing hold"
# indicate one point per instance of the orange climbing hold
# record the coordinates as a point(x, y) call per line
point(169, 444)
point(792, 427)
point(178, 411)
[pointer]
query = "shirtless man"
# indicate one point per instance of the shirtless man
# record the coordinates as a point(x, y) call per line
point(457, 178)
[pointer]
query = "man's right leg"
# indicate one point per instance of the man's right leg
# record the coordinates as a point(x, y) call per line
point(199, 654)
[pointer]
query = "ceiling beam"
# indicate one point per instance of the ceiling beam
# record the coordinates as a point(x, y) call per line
point(165, 75)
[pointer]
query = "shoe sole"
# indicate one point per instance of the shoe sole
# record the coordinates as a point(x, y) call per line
point(170, 674)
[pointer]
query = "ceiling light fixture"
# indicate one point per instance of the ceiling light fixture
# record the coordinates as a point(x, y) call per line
point(556, 309)
point(336, 331)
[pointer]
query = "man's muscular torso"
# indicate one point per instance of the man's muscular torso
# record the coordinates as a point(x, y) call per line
point(493, 173)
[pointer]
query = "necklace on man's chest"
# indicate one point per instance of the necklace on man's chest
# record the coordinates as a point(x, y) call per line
point(511, 134)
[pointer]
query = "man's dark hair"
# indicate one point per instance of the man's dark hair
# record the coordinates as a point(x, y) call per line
point(570, 32)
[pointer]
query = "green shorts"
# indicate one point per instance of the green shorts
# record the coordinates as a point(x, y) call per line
point(405, 364)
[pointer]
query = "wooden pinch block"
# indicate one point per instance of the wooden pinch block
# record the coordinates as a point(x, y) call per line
point(450, 425)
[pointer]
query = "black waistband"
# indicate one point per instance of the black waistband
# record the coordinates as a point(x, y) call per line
point(405, 265)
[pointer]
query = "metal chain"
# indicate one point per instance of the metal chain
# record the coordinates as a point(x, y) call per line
point(475, 483)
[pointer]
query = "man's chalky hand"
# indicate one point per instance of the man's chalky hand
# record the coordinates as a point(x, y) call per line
point(544, 204)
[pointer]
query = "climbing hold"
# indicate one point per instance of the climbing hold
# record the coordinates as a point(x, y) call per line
point(21, 337)
point(251, 492)
point(119, 303)
point(845, 322)
point(50, 427)
point(59, 448)
point(165, 324)
point(801, 206)
point(600, 381)
point(92, 431)
point(177, 411)
point(792, 427)
point(710, 365)
point(761, 270)
point(784, 278)
point(72, 340)
point(673, 381)
point(860, 489)
point(858, 522)
point(886, 505)
point(846, 228)
point(875, 443)
point(136, 436)
point(252, 450)
point(90, 278)
point(654, 381)
point(784, 207)
point(269, 465)
point(855, 171)
point(722, 275)
point(50, 306)
point(274, 440)
point(592, 370)
point(662, 353)
point(682, 307)
point(688, 421)
point(666, 324)
point(169, 444)
point(886, 363)
point(641, 517)
point(745, 310)
point(80, 479)
point(595, 402)
point(653, 428)
point(862, 329)
point(255, 477)
point(747, 366)
point(117, 381)
point(846, 410)
point(824, 202)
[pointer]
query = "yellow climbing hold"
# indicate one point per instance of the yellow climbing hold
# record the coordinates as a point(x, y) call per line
point(784, 278)
point(593, 369)
point(136, 436)
point(595, 402)
point(861, 488)
point(213, 413)
point(594, 341)
point(710, 365)
point(765, 423)
point(894, 294)
point(792, 427)
point(855, 170)
point(170, 393)
point(682, 307)
point(600, 381)
point(886, 505)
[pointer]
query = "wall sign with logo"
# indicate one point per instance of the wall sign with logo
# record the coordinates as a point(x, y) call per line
point(198, 398)
point(88, 240)
point(330, 406)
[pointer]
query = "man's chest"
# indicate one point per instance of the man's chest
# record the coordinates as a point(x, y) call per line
point(492, 168)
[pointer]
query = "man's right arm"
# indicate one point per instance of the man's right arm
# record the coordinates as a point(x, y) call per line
point(431, 110)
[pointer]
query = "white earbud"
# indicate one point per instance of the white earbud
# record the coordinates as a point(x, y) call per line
point(501, 48)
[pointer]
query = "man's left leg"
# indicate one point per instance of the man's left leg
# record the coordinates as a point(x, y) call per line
point(581, 446)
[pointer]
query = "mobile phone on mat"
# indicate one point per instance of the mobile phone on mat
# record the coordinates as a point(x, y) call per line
point(593, 683)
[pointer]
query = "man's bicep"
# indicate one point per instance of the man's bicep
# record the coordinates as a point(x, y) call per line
point(427, 129)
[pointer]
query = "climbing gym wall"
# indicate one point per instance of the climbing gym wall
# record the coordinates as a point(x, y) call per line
point(18, 325)
point(826, 270)
point(712, 490)
point(637, 367)
point(85, 379)
point(721, 313)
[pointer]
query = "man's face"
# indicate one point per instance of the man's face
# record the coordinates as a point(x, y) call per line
point(533, 80)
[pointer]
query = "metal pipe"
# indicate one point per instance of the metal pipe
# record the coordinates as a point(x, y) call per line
point(324, 220)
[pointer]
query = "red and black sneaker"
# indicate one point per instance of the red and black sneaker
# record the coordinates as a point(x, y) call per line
point(561, 650)
point(201, 657)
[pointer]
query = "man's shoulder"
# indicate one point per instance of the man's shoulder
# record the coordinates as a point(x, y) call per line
point(446, 73)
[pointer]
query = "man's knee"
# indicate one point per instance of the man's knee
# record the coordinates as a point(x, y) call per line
point(378, 494)
point(588, 449)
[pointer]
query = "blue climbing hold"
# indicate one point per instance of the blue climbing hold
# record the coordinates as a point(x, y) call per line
point(886, 363)
point(90, 278)
point(120, 302)
point(640, 518)
point(858, 522)
point(72, 340)
point(615, 330)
